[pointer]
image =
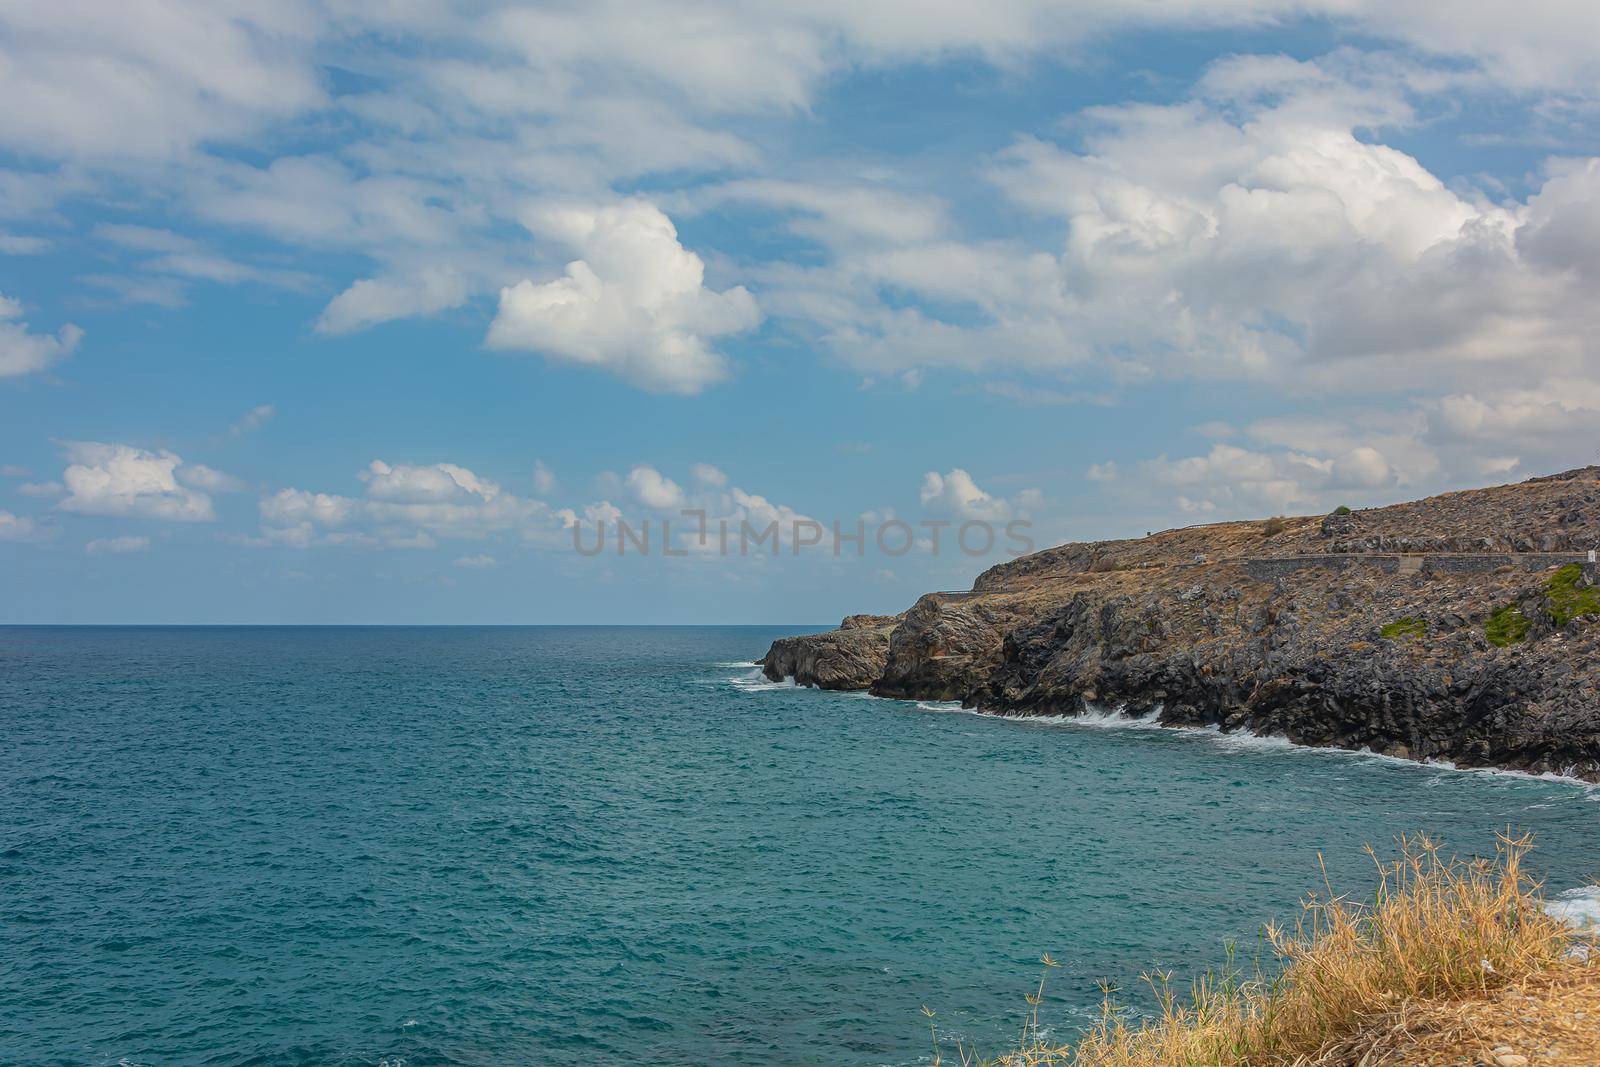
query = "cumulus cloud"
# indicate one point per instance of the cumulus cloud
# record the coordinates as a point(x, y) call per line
point(434, 483)
point(297, 507)
point(116, 546)
point(634, 304)
point(113, 479)
point(707, 475)
point(22, 528)
point(1230, 481)
point(200, 476)
point(405, 506)
point(654, 490)
point(736, 524)
point(462, 111)
point(1255, 231)
point(956, 495)
point(22, 351)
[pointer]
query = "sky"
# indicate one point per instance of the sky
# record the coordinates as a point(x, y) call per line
point(387, 312)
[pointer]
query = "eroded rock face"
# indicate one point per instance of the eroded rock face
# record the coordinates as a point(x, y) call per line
point(1356, 653)
point(851, 657)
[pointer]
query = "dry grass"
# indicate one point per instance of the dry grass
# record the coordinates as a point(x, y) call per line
point(1439, 937)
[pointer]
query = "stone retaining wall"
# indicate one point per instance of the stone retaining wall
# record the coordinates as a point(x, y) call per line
point(1267, 570)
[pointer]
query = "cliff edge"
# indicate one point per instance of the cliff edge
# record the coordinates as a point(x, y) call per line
point(1464, 627)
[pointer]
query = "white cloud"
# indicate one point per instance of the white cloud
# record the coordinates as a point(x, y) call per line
point(297, 507)
point(733, 516)
point(1235, 482)
point(461, 114)
point(253, 420)
point(102, 546)
point(13, 244)
point(544, 479)
point(130, 291)
point(1255, 232)
point(147, 78)
point(652, 489)
point(436, 483)
point(707, 475)
point(405, 506)
point(199, 476)
point(956, 495)
point(478, 562)
point(1279, 243)
point(1561, 227)
point(22, 528)
point(23, 352)
point(11, 470)
point(374, 300)
point(112, 479)
point(1363, 467)
point(634, 304)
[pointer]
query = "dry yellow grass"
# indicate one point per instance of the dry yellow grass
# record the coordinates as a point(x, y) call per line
point(1417, 974)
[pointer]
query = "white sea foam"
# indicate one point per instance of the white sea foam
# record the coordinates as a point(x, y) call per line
point(1117, 718)
point(1095, 716)
point(1578, 908)
point(753, 681)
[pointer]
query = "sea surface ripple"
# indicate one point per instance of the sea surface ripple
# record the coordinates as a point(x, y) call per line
point(564, 845)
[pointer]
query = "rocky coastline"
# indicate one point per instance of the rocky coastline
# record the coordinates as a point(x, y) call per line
point(1463, 627)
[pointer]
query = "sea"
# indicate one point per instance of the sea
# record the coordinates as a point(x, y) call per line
point(593, 845)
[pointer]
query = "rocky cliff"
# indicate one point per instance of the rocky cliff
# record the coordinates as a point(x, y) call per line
point(1464, 627)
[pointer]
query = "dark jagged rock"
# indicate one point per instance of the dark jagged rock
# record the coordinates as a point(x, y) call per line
point(1313, 631)
point(851, 657)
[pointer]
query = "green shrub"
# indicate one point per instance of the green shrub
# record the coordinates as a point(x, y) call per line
point(1341, 510)
point(1566, 599)
point(1507, 626)
point(1273, 527)
point(1405, 628)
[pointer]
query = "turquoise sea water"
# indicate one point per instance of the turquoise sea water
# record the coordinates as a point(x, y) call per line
point(562, 845)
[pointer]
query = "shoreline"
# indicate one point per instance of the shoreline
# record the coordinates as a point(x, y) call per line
point(1366, 631)
point(1098, 718)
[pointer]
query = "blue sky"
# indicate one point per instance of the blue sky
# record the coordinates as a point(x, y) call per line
point(357, 313)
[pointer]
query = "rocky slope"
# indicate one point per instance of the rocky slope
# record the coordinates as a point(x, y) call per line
point(1463, 627)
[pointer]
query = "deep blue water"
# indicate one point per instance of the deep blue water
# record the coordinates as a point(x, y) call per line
point(553, 845)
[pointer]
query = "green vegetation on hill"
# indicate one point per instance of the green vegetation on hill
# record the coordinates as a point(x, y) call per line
point(1567, 599)
point(1404, 628)
point(1507, 626)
